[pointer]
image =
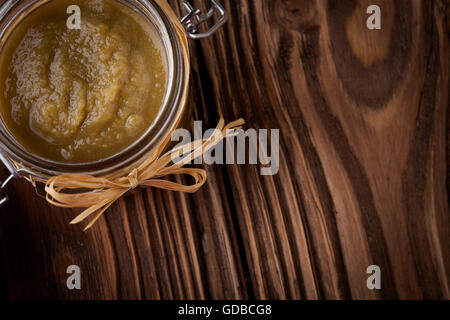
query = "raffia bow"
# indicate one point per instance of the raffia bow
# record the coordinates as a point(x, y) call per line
point(100, 193)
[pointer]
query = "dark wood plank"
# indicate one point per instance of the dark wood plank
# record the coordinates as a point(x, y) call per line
point(363, 118)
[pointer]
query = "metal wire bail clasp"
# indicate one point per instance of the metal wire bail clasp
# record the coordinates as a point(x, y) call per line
point(193, 19)
point(14, 174)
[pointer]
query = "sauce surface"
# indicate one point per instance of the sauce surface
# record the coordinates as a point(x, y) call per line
point(80, 95)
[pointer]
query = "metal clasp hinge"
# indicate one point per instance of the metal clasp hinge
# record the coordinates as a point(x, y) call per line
point(14, 174)
point(193, 19)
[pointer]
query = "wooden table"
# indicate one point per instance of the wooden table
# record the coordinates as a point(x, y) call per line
point(363, 180)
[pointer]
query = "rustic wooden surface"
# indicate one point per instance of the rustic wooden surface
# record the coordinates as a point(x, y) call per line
point(363, 171)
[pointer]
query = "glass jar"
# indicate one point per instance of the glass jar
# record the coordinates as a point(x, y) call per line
point(175, 53)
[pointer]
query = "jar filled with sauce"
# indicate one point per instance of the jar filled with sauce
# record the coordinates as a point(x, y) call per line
point(94, 98)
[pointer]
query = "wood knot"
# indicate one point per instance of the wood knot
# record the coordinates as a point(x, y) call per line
point(299, 15)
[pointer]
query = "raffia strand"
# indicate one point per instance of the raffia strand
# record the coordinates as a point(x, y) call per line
point(97, 194)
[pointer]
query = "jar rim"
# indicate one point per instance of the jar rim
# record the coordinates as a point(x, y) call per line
point(12, 13)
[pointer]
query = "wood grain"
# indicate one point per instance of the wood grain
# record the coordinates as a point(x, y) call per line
point(363, 180)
